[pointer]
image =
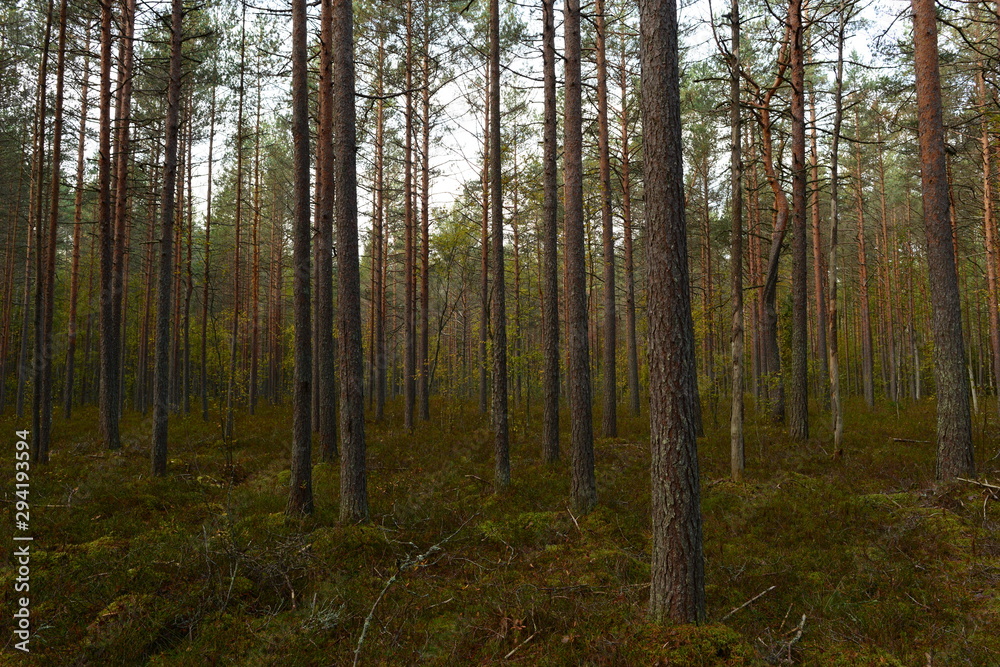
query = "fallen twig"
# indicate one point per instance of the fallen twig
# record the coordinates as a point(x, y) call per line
point(748, 602)
point(574, 519)
point(408, 564)
point(514, 650)
point(984, 485)
point(927, 442)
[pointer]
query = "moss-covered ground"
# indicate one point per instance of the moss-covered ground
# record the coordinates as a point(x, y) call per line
point(202, 567)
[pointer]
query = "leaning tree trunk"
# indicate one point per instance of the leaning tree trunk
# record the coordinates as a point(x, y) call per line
point(954, 425)
point(677, 589)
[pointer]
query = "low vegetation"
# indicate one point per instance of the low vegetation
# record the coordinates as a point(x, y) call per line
point(856, 560)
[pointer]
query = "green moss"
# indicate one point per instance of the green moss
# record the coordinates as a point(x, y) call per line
point(203, 565)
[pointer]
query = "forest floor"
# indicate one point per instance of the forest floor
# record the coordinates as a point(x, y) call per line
point(861, 560)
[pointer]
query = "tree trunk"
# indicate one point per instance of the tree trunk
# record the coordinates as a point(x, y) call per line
point(203, 385)
point(255, 263)
point(484, 240)
point(678, 571)
point(300, 497)
point(498, 308)
point(954, 425)
point(769, 356)
point(990, 233)
point(378, 221)
point(44, 432)
point(819, 273)
point(121, 195)
point(108, 322)
point(353, 489)
point(550, 278)
point(836, 405)
point(798, 422)
point(736, 444)
point(74, 289)
point(410, 354)
point(237, 220)
point(583, 488)
point(325, 184)
point(161, 375)
point(630, 335)
point(867, 355)
point(423, 389)
point(609, 417)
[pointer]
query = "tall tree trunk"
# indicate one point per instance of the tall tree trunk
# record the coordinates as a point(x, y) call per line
point(678, 571)
point(142, 394)
point(74, 288)
point(353, 490)
point(515, 228)
point(769, 356)
point(954, 425)
point(206, 281)
point(708, 291)
point(819, 263)
point(885, 269)
point(550, 278)
point(626, 167)
point(8, 292)
point(833, 350)
point(410, 354)
point(121, 195)
point(423, 389)
point(189, 273)
point(583, 487)
point(255, 265)
point(108, 321)
point(325, 184)
point(237, 220)
point(609, 417)
point(867, 355)
point(161, 375)
point(300, 497)
point(378, 221)
point(44, 432)
point(990, 233)
point(484, 240)
point(736, 444)
point(498, 309)
point(798, 422)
